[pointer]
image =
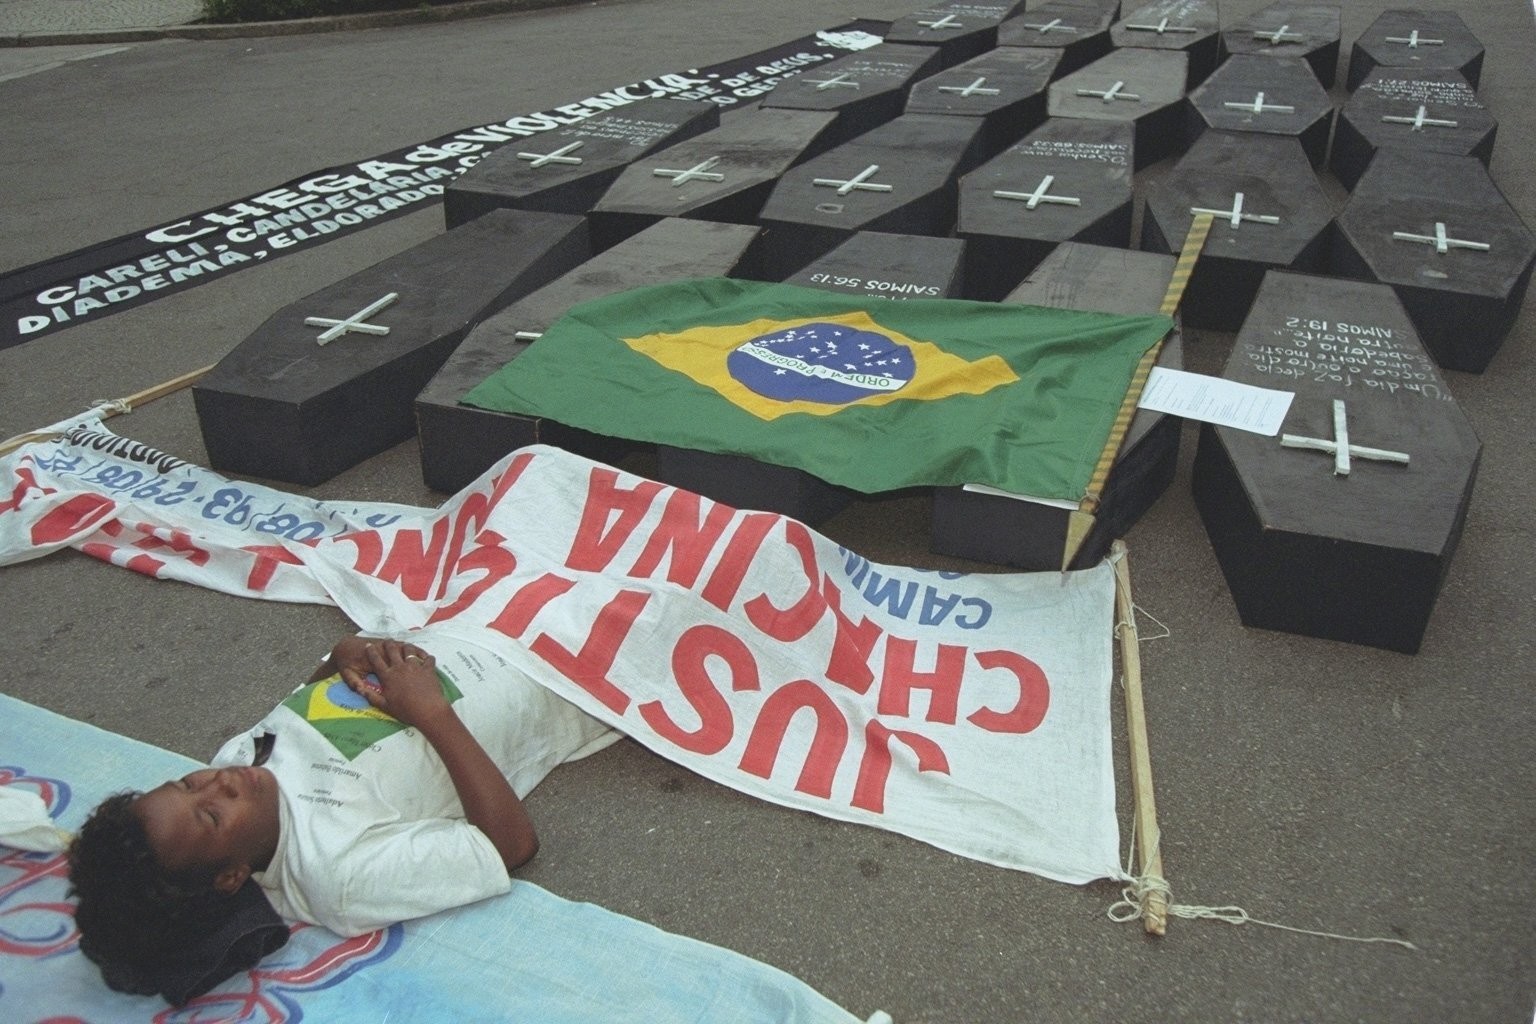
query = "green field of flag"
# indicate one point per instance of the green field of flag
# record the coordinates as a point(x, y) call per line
point(870, 393)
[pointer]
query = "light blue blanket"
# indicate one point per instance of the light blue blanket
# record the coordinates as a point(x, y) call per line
point(527, 956)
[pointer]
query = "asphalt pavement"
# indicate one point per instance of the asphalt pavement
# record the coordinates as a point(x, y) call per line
point(1317, 784)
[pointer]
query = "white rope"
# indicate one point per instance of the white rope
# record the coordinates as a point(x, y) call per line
point(1122, 625)
point(1131, 906)
point(1166, 632)
point(105, 407)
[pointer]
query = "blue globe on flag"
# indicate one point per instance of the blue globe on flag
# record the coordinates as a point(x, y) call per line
point(342, 696)
point(822, 362)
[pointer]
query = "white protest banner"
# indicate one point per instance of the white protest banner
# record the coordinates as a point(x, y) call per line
point(968, 711)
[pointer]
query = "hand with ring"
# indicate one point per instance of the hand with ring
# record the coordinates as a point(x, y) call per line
point(408, 688)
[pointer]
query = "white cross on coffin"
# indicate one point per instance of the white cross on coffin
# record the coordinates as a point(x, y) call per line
point(1236, 216)
point(700, 171)
point(858, 181)
point(1339, 447)
point(1162, 27)
point(353, 324)
point(1039, 195)
point(559, 156)
point(1413, 40)
point(1279, 35)
point(1111, 94)
point(841, 80)
point(1441, 240)
point(1258, 106)
point(974, 89)
point(1419, 120)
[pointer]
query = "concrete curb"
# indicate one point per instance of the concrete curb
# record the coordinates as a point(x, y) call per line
point(298, 26)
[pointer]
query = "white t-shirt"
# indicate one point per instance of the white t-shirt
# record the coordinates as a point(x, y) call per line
point(371, 830)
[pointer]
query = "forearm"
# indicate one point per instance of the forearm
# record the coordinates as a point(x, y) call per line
point(490, 803)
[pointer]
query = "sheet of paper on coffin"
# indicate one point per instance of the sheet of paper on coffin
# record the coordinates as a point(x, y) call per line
point(1267, 95)
point(300, 402)
point(459, 442)
point(958, 29)
point(722, 175)
point(1078, 32)
point(1270, 212)
point(991, 527)
point(568, 169)
point(1420, 111)
point(1004, 88)
point(865, 89)
point(898, 178)
point(1438, 230)
point(1143, 88)
point(1290, 29)
point(1308, 544)
point(1417, 39)
point(1068, 180)
point(869, 264)
point(1191, 27)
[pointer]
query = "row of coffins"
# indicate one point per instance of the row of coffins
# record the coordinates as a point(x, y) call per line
point(900, 185)
point(777, 166)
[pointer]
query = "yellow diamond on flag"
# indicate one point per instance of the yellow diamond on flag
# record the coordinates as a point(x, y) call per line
point(332, 699)
point(819, 365)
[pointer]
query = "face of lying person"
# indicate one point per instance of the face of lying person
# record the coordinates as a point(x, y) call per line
point(223, 820)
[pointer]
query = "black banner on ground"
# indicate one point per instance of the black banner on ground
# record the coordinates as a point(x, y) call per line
point(129, 271)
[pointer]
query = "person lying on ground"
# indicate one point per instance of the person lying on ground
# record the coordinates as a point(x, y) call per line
point(386, 788)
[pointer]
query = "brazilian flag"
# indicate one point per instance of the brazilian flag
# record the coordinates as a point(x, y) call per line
point(870, 393)
point(347, 721)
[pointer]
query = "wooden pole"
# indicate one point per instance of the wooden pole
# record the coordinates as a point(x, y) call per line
point(1149, 845)
point(132, 402)
point(1080, 522)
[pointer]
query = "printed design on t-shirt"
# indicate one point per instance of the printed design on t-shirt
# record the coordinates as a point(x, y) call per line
point(346, 720)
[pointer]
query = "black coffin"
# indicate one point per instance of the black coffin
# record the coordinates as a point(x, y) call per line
point(1291, 28)
point(1003, 88)
point(899, 178)
point(1438, 230)
point(1422, 111)
point(459, 442)
point(567, 169)
point(1079, 32)
point(1190, 27)
point(1270, 212)
point(284, 407)
point(1358, 557)
point(1267, 95)
point(958, 29)
point(865, 89)
point(1069, 180)
point(722, 175)
point(1144, 88)
point(1421, 40)
point(1032, 535)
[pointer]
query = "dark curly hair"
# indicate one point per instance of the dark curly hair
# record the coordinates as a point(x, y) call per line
point(134, 916)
